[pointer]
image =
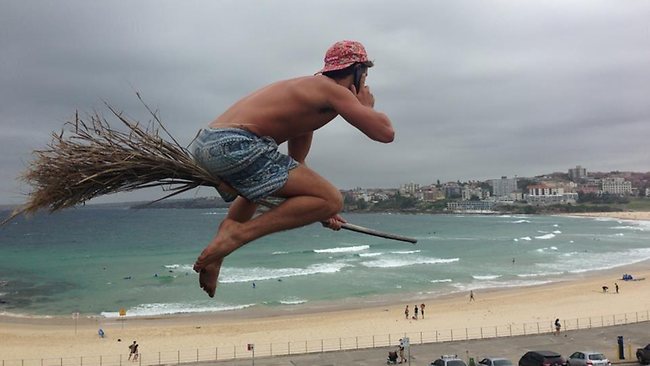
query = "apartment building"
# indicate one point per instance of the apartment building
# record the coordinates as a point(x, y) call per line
point(503, 187)
point(470, 191)
point(409, 189)
point(616, 185)
point(578, 173)
point(542, 194)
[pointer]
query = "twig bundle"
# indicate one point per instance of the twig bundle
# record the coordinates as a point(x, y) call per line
point(93, 159)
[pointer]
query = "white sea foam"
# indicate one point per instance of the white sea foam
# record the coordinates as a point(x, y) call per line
point(527, 238)
point(547, 249)
point(636, 228)
point(375, 254)
point(20, 315)
point(427, 237)
point(557, 232)
point(570, 254)
point(485, 277)
point(406, 261)
point(292, 301)
point(539, 274)
point(356, 248)
point(235, 275)
point(545, 236)
point(498, 284)
point(406, 251)
point(214, 213)
point(521, 222)
point(179, 267)
point(174, 308)
point(606, 219)
point(589, 261)
point(279, 252)
point(439, 281)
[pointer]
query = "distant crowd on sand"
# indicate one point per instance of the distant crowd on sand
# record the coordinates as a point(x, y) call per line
point(417, 312)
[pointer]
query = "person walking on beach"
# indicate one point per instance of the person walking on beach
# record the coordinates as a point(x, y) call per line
point(471, 295)
point(558, 326)
point(406, 312)
point(422, 310)
point(415, 312)
point(616, 286)
point(240, 147)
point(133, 351)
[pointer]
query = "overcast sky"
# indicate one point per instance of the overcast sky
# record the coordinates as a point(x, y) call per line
point(475, 89)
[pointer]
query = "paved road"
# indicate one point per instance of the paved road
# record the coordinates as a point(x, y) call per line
point(598, 339)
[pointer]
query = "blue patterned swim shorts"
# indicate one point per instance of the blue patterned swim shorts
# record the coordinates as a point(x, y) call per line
point(252, 165)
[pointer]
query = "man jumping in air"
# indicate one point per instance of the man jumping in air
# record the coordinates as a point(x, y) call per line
point(240, 147)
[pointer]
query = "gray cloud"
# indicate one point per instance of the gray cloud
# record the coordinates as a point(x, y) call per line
point(475, 89)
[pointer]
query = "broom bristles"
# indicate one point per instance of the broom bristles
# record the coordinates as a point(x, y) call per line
point(93, 159)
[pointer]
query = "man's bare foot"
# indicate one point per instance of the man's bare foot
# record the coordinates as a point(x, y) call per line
point(208, 277)
point(223, 244)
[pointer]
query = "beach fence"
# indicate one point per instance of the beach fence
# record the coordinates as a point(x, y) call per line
point(243, 351)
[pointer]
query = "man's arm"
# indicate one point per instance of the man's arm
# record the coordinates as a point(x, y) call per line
point(299, 146)
point(358, 110)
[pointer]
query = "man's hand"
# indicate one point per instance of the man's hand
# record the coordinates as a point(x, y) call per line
point(364, 95)
point(334, 222)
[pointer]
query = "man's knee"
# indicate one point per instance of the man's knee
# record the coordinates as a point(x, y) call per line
point(334, 203)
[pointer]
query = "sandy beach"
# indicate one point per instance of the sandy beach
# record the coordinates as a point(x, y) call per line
point(625, 215)
point(571, 297)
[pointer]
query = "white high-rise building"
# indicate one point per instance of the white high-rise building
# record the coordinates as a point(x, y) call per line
point(504, 186)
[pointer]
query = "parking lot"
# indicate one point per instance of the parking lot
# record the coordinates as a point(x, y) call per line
point(597, 339)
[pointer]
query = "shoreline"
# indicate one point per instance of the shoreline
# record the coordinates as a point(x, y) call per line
point(334, 305)
point(569, 298)
point(621, 215)
point(339, 304)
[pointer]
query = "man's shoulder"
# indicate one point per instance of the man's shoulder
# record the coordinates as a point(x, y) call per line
point(312, 81)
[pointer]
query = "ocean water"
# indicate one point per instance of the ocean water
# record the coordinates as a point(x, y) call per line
point(96, 260)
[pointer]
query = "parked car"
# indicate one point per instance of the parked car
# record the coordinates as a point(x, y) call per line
point(495, 361)
point(448, 360)
point(542, 358)
point(588, 358)
point(643, 355)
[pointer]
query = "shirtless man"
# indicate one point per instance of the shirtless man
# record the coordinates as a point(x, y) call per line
point(240, 147)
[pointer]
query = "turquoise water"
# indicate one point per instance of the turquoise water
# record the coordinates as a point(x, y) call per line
point(97, 260)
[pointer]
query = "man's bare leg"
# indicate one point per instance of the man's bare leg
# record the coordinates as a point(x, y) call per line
point(310, 198)
point(241, 210)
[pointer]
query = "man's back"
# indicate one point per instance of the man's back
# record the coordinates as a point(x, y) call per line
point(284, 109)
point(294, 107)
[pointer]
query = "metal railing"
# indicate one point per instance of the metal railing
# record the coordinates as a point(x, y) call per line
point(229, 352)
